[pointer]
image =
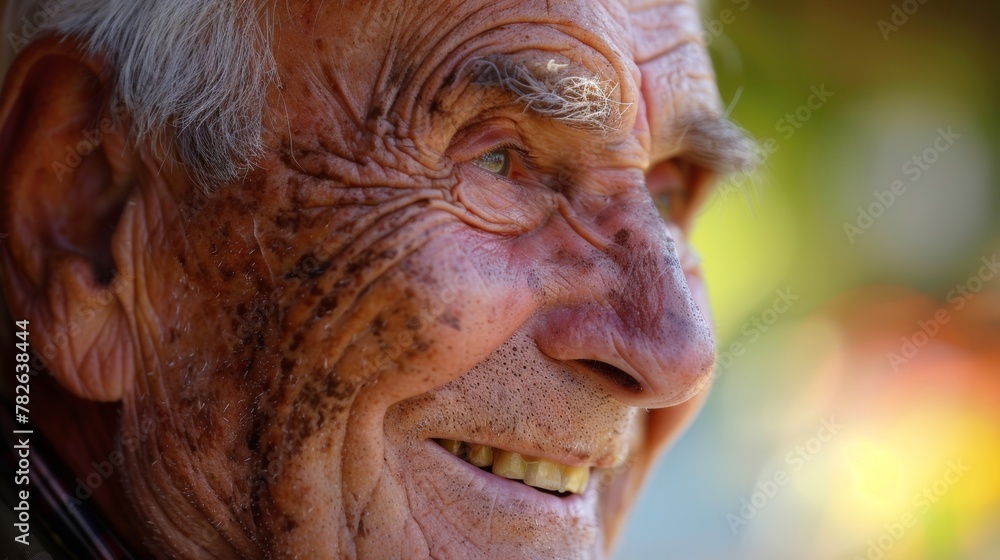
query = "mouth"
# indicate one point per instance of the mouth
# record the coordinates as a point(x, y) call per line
point(541, 474)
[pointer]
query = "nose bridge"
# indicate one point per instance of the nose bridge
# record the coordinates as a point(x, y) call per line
point(646, 322)
point(664, 339)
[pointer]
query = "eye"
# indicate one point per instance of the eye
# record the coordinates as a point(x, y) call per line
point(667, 184)
point(664, 203)
point(497, 160)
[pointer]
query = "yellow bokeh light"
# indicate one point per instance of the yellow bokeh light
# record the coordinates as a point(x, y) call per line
point(876, 471)
point(754, 243)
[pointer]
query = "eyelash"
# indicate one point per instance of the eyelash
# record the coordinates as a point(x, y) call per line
point(526, 159)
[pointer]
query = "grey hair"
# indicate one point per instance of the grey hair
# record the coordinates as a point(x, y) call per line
point(191, 75)
point(714, 142)
point(578, 101)
point(706, 138)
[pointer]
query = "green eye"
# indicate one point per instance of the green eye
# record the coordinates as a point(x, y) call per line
point(496, 161)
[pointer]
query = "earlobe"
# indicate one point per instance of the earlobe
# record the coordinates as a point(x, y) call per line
point(66, 172)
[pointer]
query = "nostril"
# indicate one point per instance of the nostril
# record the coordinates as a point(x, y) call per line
point(618, 376)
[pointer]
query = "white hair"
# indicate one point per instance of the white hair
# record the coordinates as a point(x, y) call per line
point(585, 102)
point(191, 75)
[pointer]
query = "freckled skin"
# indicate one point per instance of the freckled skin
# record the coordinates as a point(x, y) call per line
point(368, 288)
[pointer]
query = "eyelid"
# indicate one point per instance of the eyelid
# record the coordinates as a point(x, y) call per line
point(526, 159)
point(667, 177)
point(482, 137)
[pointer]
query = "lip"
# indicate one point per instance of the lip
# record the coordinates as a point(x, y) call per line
point(515, 494)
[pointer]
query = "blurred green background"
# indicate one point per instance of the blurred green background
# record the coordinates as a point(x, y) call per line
point(856, 409)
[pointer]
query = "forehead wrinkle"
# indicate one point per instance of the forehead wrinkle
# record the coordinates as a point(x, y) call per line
point(635, 5)
point(660, 30)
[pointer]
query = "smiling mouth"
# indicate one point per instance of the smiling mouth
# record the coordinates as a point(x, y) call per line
point(532, 471)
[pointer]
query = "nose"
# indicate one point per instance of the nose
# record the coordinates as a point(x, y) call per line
point(631, 322)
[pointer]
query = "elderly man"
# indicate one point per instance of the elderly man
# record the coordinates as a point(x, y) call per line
point(354, 279)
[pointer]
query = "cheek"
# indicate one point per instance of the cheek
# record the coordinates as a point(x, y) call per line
point(435, 315)
point(351, 336)
point(423, 321)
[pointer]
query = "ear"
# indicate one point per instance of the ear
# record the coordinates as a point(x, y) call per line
point(66, 172)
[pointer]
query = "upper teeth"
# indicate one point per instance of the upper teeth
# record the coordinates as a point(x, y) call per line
point(531, 470)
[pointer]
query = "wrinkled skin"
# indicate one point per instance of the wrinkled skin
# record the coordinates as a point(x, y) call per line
point(304, 334)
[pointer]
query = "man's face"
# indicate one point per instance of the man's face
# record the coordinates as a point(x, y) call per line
point(422, 259)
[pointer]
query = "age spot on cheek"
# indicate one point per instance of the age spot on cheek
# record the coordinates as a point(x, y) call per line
point(622, 236)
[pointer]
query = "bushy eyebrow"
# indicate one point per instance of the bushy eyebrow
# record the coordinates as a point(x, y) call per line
point(582, 100)
point(713, 142)
point(577, 99)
